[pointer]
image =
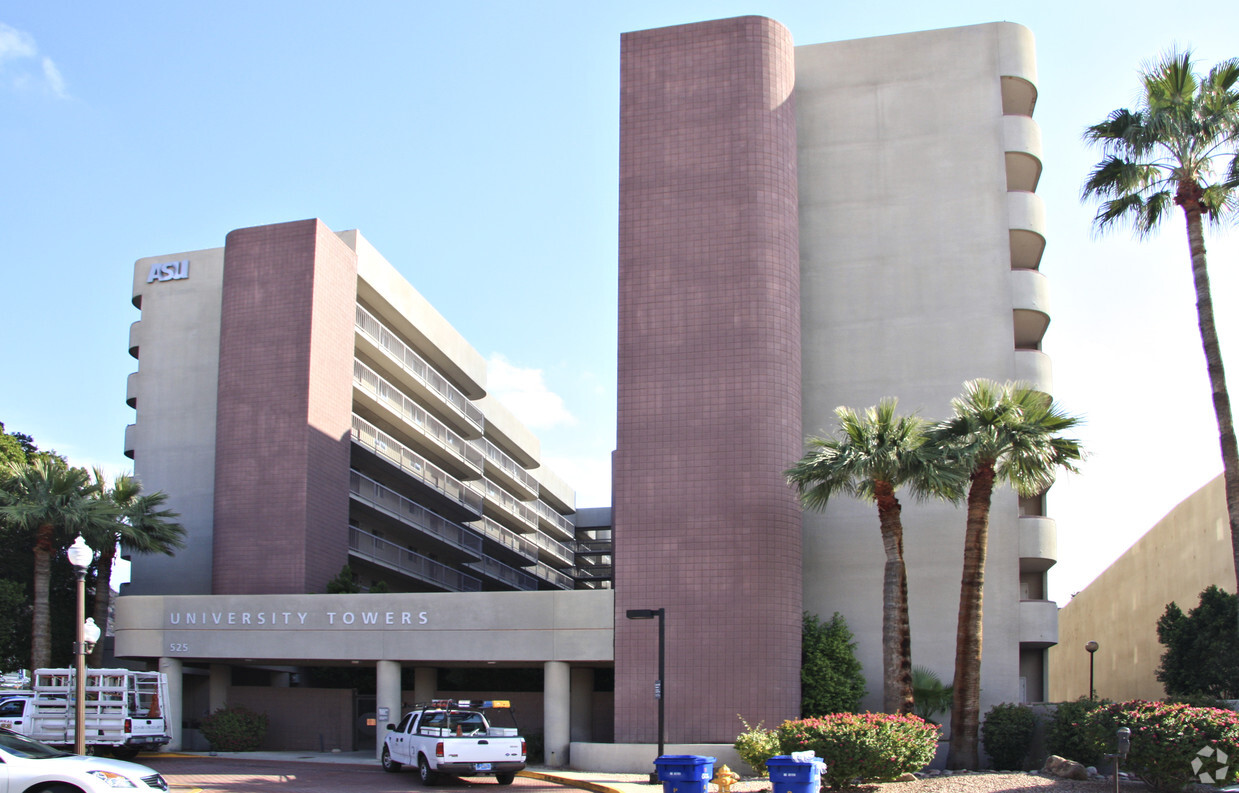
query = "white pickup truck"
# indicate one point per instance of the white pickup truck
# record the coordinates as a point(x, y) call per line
point(454, 738)
point(122, 709)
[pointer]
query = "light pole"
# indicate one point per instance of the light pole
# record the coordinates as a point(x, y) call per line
point(80, 556)
point(1092, 648)
point(659, 687)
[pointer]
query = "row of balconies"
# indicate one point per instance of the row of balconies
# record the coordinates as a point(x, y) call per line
point(367, 546)
point(414, 465)
point(1030, 302)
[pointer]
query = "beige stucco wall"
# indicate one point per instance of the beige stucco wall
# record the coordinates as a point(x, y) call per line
point(174, 392)
point(906, 292)
point(1181, 555)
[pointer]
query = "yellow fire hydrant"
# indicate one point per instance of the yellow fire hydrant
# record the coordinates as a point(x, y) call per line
point(725, 778)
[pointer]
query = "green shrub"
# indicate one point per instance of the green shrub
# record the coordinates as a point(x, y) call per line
point(1065, 736)
point(1165, 739)
point(865, 747)
point(756, 745)
point(929, 694)
point(831, 679)
point(234, 728)
point(1008, 734)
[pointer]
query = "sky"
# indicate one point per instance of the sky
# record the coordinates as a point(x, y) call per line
point(476, 145)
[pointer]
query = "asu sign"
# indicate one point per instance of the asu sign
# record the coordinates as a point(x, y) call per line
point(168, 271)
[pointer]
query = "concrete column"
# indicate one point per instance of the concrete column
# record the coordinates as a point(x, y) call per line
point(582, 721)
point(556, 713)
point(217, 687)
point(172, 708)
point(425, 683)
point(387, 695)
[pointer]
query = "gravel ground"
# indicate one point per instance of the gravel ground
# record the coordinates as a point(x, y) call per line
point(976, 783)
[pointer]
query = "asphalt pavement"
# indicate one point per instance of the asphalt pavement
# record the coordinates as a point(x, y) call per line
point(352, 772)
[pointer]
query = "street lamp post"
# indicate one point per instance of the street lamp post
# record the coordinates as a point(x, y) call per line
point(1092, 649)
point(80, 556)
point(659, 684)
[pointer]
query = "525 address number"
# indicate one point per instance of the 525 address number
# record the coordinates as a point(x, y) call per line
point(178, 647)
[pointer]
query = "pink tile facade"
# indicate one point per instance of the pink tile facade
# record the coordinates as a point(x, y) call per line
point(284, 410)
point(709, 380)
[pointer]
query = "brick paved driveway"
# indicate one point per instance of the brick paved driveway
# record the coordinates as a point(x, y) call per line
point(229, 775)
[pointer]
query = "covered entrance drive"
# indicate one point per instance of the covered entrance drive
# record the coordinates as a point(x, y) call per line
point(567, 633)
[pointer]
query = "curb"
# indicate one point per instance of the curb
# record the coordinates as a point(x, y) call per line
point(593, 787)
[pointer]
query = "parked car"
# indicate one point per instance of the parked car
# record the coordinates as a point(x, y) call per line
point(27, 764)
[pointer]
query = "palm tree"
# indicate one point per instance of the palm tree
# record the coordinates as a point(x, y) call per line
point(1172, 150)
point(53, 502)
point(876, 453)
point(1001, 433)
point(141, 525)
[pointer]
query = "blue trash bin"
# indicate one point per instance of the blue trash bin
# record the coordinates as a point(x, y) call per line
point(685, 773)
point(789, 775)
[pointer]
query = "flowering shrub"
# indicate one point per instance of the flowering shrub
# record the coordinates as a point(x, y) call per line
point(866, 747)
point(1165, 739)
point(756, 745)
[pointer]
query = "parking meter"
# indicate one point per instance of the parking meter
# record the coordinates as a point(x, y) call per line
point(1124, 735)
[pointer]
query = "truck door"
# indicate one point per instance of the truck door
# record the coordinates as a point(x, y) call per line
point(13, 715)
point(399, 743)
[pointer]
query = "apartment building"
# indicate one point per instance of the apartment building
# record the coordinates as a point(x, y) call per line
point(306, 409)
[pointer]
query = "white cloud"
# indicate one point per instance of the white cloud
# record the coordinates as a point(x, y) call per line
point(525, 393)
point(23, 68)
point(589, 476)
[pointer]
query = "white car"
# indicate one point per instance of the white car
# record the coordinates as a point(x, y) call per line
point(28, 765)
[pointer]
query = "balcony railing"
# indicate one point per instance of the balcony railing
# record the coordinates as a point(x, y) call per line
point(417, 366)
point(416, 417)
point(509, 503)
point(554, 519)
point(386, 500)
point(501, 572)
point(565, 552)
point(496, 457)
point(550, 574)
point(371, 437)
point(506, 537)
point(376, 549)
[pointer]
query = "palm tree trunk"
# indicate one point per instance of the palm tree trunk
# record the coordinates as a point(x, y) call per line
point(1189, 199)
point(103, 599)
point(40, 623)
point(966, 696)
point(896, 631)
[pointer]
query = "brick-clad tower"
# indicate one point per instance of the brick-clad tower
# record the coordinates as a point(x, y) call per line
point(709, 379)
point(284, 409)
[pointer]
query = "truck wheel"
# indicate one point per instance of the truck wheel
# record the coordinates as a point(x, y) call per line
point(389, 764)
point(505, 778)
point(423, 770)
point(124, 752)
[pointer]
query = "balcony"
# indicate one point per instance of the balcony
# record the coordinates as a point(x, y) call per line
point(502, 505)
point(131, 440)
point(552, 576)
point(1038, 543)
point(1026, 225)
point(1038, 623)
point(366, 546)
point(520, 544)
point(447, 447)
point(387, 501)
point(554, 523)
point(1033, 367)
point(1030, 301)
point(1017, 66)
point(1021, 137)
point(510, 576)
point(371, 438)
point(503, 469)
point(135, 337)
point(131, 390)
point(418, 376)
